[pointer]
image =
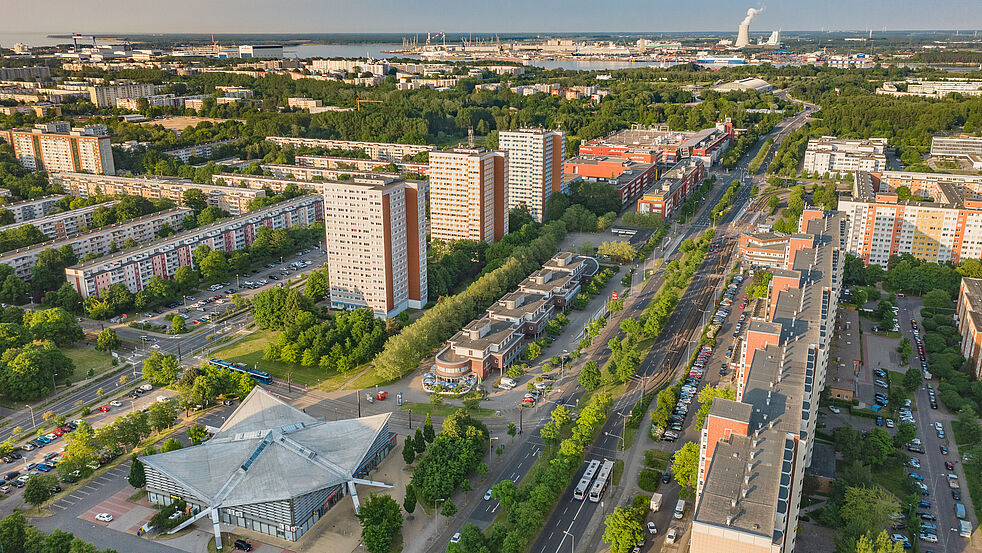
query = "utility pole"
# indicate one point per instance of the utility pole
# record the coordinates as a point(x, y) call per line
point(359, 403)
point(410, 419)
point(521, 411)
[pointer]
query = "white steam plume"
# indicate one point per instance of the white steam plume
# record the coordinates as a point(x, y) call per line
point(750, 15)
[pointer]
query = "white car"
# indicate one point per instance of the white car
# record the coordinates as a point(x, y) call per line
point(115, 403)
point(455, 538)
point(104, 517)
point(651, 528)
point(155, 346)
point(914, 463)
point(834, 409)
point(889, 423)
point(938, 427)
point(487, 495)
point(162, 399)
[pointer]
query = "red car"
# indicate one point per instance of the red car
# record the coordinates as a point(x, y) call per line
point(58, 432)
point(104, 408)
point(949, 465)
point(381, 396)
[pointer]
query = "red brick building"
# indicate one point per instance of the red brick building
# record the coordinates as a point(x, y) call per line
point(670, 192)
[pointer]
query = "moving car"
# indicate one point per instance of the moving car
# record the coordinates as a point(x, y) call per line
point(455, 538)
point(487, 495)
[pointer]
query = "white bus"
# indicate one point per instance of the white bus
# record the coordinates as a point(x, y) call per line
point(600, 485)
point(584, 485)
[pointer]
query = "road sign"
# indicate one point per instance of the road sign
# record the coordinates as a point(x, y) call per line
point(613, 295)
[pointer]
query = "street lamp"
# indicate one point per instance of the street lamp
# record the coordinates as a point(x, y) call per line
point(616, 436)
point(572, 543)
point(436, 516)
point(490, 447)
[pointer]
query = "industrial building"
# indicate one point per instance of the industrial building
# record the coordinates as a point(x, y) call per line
point(468, 194)
point(260, 51)
point(26, 210)
point(134, 267)
point(64, 223)
point(45, 149)
point(535, 167)
point(271, 468)
point(234, 200)
point(750, 83)
point(376, 244)
point(494, 340)
point(942, 221)
point(99, 241)
point(829, 154)
point(381, 151)
point(754, 450)
point(660, 145)
point(669, 193)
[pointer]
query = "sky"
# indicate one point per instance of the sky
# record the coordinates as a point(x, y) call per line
point(421, 16)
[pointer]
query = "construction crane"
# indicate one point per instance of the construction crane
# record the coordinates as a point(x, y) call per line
point(359, 102)
point(76, 37)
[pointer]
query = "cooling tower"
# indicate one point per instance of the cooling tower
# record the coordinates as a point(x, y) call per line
point(743, 36)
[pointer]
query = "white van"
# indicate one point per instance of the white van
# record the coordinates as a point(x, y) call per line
point(507, 383)
point(680, 509)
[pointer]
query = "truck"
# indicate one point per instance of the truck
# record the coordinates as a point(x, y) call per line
point(960, 510)
point(680, 508)
point(964, 528)
point(656, 502)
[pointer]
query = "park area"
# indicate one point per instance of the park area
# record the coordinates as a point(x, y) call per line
point(249, 350)
point(86, 359)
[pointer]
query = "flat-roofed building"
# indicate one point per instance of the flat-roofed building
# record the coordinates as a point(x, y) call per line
point(535, 167)
point(754, 450)
point(468, 195)
point(104, 96)
point(26, 210)
point(494, 340)
point(45, 149)
point(668, 194)
point(331, 162)
point(931, 89)
point(970, 322)
point(829, 154)
point(232, 199)
point(300, 173)
point(956, 146)
point(134, 266)
point(64, 223)
point(661, 145)
point(99, 241)
point(376, 244)
point(382, 151)
point(198, 150)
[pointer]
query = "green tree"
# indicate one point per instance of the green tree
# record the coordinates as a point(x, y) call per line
point(138, 475)
point(160, 369)
point(317, 286)
point(937, 298)
point(419, 442)
point(905, 433)
point(905, 350)
point(381, 522)
point(913, 379)
point(685, 468)
point(590, 377)
point(428, 432)
point(170, 444)
point(178, 326)
point(624, 529)
point(107, 340)
point(449, 508)
point(197, 434)
point(512, 429)
point(882, 544)
point(38, 489)
point(409, 503)
point(409, 450)
point(54, 324)
point(161, 415)
point(195, 199)
point(186, 278)
point(618, 250)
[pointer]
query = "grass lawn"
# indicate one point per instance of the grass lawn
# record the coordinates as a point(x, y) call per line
point(88, 358)
point(249, 350)
point(656, 459)
point(892, 477)
point(441, 410)
point(973, 475)
point(366, 380)
point(618, 472)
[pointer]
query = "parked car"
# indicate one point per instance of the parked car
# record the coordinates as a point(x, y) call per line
point(104, 517)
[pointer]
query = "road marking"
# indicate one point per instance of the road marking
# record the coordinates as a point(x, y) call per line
point(81, 492)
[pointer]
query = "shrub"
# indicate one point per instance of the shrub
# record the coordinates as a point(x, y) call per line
point(648, 480)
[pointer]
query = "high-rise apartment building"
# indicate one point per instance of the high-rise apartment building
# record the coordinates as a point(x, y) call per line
point(754, 450)
point(232, 199)
point(64, 223)
point(468, 195)
point(99, 241)
point(940, 220)
point(376, 244)
point(535, 167)
point(970, 323)
point(104, 96)
point(134, 267)
point(64, 149)
point(829, 154)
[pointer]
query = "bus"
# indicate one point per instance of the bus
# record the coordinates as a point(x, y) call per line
point(600, 485)
point(257, 375)
point(584, 485)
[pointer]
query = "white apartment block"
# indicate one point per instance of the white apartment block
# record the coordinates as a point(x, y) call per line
point(943, 221)
point(99, 241)
point(932, 89)
point(468, 195)
point(376, 244)
point(104, 96)
point(959, 146)
point(535, 167)
point(198, 150)
point(135, 266)
point(351, 66)
point(32, 209)
point(72, 150)
point(65, 223)
point(829, 154)
point(231, 199)
point(384, 151)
